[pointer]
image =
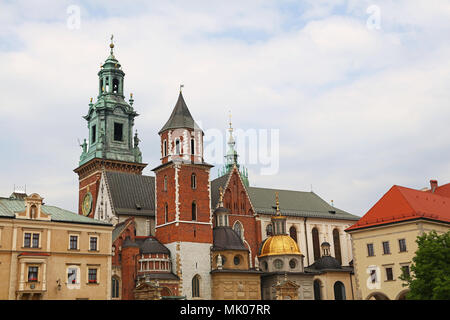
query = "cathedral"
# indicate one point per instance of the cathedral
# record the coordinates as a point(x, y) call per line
point(181, 235)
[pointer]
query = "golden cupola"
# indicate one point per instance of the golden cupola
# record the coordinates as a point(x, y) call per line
point(280, 243)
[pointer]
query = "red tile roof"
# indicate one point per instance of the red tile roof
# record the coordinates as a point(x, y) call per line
point(401, 204)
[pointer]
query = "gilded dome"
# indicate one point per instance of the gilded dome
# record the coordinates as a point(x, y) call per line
point(279, 245)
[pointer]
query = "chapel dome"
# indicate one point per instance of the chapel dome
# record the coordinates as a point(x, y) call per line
point(279, 245)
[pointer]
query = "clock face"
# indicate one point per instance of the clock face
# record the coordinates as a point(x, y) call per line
point(87, 204)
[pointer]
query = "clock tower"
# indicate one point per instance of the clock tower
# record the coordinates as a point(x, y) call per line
point(111, 145)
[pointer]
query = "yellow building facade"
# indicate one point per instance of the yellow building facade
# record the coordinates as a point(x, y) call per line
point(50, 253)
point(382, 253)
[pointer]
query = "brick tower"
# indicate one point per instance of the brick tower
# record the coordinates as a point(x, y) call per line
point(111, 146)
point(183, 213)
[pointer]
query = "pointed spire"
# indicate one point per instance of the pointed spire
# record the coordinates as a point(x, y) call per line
point(111, 45)
point(277, 202)
point(180, 117)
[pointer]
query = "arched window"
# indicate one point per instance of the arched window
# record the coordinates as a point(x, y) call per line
point(238, 228)
point(177, 146)
point(196, 286)
point(166, 213)
point(317, 290)
point(115, 287)
point(193, 181)
point(339, 291)
point(337, 246)
point(194, 211)
point(316, 244)
point(293, 233)
point(165, 183)
point(115, 87)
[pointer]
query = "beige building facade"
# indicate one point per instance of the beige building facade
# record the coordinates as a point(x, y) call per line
point(52, 254)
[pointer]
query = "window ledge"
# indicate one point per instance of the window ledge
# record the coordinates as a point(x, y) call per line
point(93, 283)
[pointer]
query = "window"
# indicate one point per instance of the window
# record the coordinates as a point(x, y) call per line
point(192, 146)
point(337, 245)
point(196, 286)
point(278, 264)
point(292, 263)
point(269, 230)
point(27, 240)
point(339, 291)
point(115, 287)
point(370, 251)
point(94, 133)
point(92, 275)
point(177, 146)
point(373, 275)
point(316, 244)
point(72, 276)
point(193, 181)
point(402, 245)
point(386, 249)
point(293, 233)
point(238, 228)
point(165, 183)
point(194, 211)
point(165, 148)
point(73, 244)
point(33, 274)
point(31, 240)
point(115, 87)
point(166, 213)
point(317, 290)
point(389, 274)
point(118, 131)
point(35, 243)
point(93, 243)
point(265, 265)
point(237, 260)
point(405, 271)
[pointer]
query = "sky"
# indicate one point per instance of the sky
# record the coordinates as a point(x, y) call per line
point(357, 92)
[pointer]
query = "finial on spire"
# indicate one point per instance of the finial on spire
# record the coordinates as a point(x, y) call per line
point(230, 118)
point(181, 87)
point(112, 43)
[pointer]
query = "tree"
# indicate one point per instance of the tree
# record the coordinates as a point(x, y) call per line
point(430, 270)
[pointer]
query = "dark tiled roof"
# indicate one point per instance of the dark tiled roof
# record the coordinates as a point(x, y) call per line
point(226, 238)
point(132, 194)
point(326, 262)
point(152, 245)
point(129, 243)
point(295, 203)
point(180, 117)
point(162, 276)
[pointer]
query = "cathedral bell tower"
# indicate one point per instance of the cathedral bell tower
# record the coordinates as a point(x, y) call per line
point(183, 211)
point(110, 145)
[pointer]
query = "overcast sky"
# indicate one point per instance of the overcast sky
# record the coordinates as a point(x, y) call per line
point(358, 90)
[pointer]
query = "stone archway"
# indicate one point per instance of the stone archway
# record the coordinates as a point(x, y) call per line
point(377, 296)
point(402, 295)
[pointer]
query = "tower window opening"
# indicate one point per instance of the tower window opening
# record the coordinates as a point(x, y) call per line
point(94, 133)
point(194, 181)
point(107, 84)
point(118, 131)
point(194, 211)
point(177, 146)
point(115, 86)
point(192, 146)
point(165, 148)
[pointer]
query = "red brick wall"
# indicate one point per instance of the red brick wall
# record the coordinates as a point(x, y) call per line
point(93, 181)
point(237, 201)
point(129, 255)
point(191, 232)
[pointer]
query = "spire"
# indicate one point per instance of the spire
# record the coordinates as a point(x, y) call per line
point(277, 202)
point(180, 117)
point(232, 155)
point(278, 220)
point(111, 45)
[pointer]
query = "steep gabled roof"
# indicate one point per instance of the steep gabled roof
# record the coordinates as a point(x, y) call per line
point(215, 185)
point(180, 117)
point(402, 204)
point(131, 194)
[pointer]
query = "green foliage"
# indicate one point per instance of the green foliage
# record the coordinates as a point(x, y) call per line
point(430, 270)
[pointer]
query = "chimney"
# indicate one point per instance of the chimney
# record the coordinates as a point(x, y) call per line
point(433, 185)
